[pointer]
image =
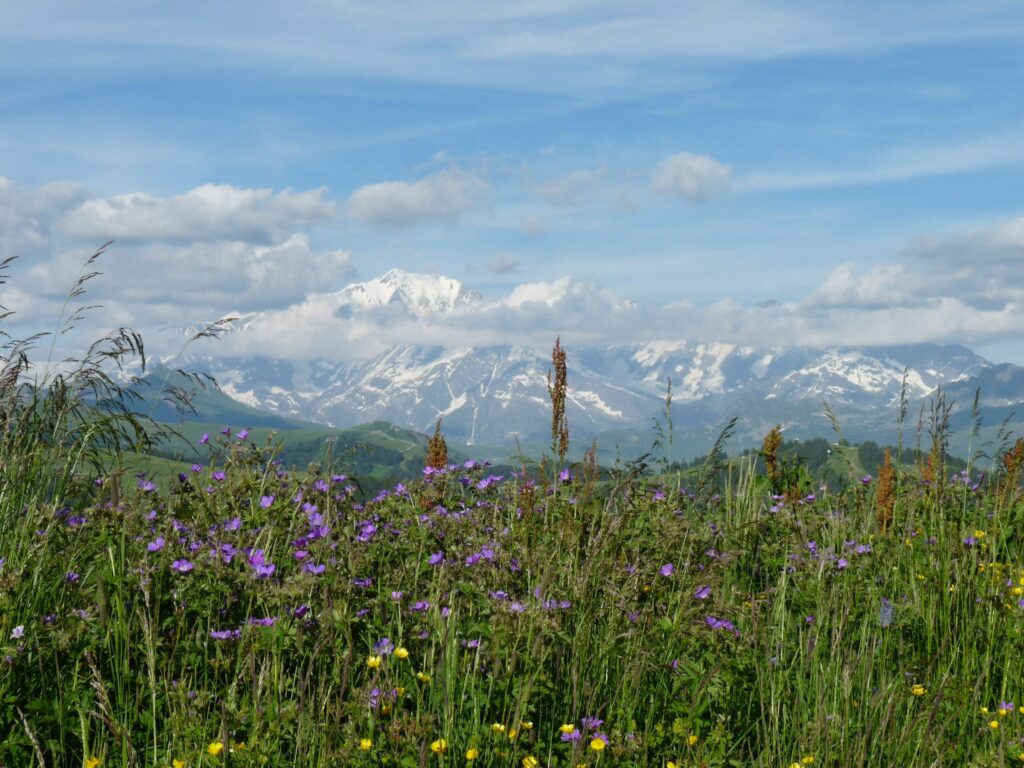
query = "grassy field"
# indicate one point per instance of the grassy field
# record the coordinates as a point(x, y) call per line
point(230, 611)
point(247, 616)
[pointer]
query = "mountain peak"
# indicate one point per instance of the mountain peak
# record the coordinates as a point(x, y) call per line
point(417, 294)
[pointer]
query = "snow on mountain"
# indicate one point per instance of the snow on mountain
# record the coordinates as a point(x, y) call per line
point(419, 295)
point(495, 394)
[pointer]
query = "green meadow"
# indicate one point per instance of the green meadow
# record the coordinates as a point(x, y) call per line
point(234, 608)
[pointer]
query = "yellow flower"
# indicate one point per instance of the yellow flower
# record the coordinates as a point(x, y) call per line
point(993, 724)
point(918, 690)
point(366, 744)
point(401, 652)
point(472, 753)
point(984, 710)
point(400, 690)
point(567, 727)
point(423, 677)
point(597, 744)
point(979, 534)
point(692, 740)
point(807, 759)
point(373, 662)
point(497, 727)
point(385, 708)
point(177, 764)
point(526, 724)
point(512, 733)
point(439, 747)
point(670, 764)
point(215, 748)
point(92, 762)
point(530, 762)
point(1003, 712)
point(794, 765)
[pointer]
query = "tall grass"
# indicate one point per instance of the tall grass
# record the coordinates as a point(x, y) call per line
point(252, 615)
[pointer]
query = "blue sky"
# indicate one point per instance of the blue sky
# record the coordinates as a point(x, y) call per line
point(860, 163)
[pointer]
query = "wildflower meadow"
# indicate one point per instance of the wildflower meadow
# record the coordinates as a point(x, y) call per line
point(249, 613)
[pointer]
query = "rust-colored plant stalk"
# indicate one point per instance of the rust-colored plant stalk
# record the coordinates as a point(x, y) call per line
point(1013, 461)
point(557, 388)
point(770, 450)
point(885, 493)
point(437, 449)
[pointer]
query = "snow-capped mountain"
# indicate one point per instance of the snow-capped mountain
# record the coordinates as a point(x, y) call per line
point(496, 394)
point(418, 295)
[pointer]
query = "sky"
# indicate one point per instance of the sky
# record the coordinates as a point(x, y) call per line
point(762, 173)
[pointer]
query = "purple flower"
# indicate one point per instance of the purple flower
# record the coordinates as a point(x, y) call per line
point(362, 583)
point(71, 577)
point(182, 566)
point(866, 480)
point(702, 593)
point(565, 476)
point(234, 524)
point(841, 563)
point(419, 606)
point(315, 569)
point(204, 439)
point(266, 501)
point(146, 486)
point(436, 559)
point(863, 549)
point(667, 569)
point(225, 634)
point(970, 541)
point(157, 545)
point(243, 434)
point(219, 476)
point(226, 431)
point(573, 737)
point(17, 632)
point(384, 646)
point(716, 623)
point(591, 723)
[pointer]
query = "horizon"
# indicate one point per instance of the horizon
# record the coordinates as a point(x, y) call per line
point(746, 172)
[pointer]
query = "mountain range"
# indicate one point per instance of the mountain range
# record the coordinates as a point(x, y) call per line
point(490, 397)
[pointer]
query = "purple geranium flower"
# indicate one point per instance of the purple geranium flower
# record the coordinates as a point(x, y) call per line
point(157, 545)
point(702, 593)
point(667, 569)
point(182, 566)
point(204, 439)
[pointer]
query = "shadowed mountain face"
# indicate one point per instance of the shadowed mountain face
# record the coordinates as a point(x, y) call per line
point(495, 395)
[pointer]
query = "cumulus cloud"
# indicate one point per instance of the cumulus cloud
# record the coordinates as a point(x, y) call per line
point(983, 268)
point(207, 252)
point(941, 290)
point(209, 212)
point(694, 177)
point(442, 196)
point(28, 214)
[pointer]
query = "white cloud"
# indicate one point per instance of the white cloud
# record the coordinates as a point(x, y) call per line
point(208, 212)
point(27, 214)
point(694, 177)
point(443, 196)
